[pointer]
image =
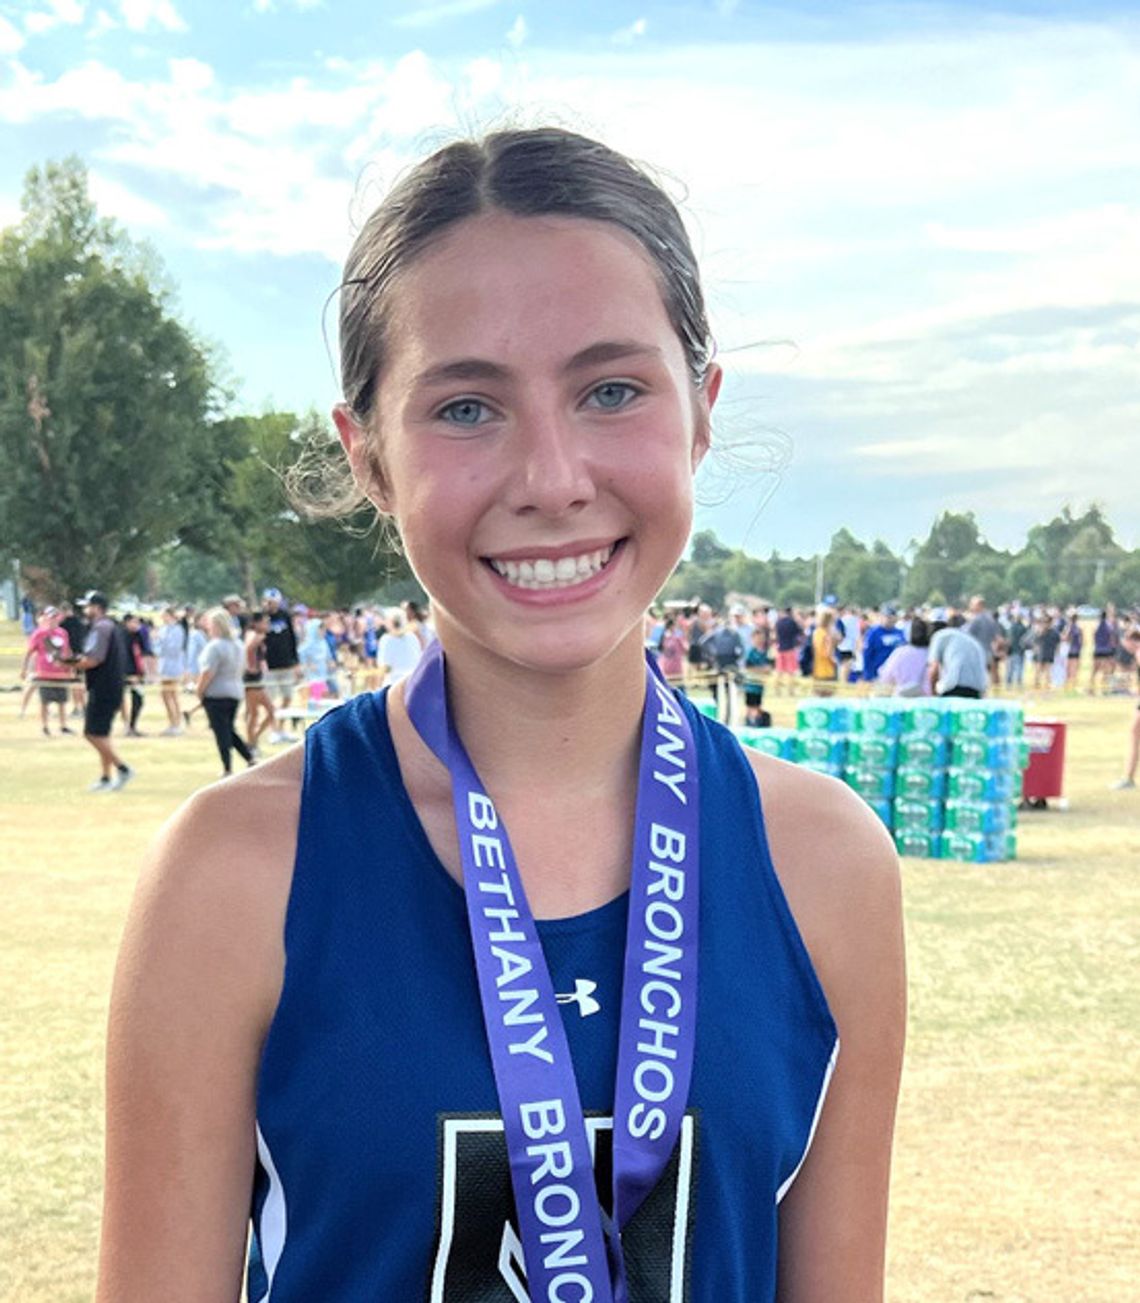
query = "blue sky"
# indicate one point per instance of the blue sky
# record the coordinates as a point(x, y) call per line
point(919, 224)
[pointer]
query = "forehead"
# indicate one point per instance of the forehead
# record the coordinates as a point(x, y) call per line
point(526, 289)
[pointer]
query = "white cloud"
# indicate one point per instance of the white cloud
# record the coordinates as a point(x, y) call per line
point(138, 15)
point(92, 91)
point(103, 23)
point(116, 200)
point(191, 75)
point(10, 39)
point(58, 13)
point(269, 6)
point(431, 13)
point(908, 212)
point(912, 201)
point(627, 35)
point(10, 212)
point(484, 77)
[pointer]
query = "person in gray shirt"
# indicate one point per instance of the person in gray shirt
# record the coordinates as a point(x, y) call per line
point(956, 662)
point(220, 686)
point(984, 627)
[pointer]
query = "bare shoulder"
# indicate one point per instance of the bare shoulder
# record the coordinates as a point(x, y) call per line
point(218, 875)
point(197, 982)
point(837, 865)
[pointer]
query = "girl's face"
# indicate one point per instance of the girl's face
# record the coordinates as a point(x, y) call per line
point(538, 432)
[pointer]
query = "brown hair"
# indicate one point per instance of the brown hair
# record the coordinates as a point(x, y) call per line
point(538, 172)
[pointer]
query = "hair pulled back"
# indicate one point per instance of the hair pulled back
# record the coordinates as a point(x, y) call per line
point(543, 171)
point(529, 173)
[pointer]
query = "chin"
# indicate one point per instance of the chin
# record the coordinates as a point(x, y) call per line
point(560, 651)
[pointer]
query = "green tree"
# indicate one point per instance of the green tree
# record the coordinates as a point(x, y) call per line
point(747, 574)
point(703, 581)
point(105, 397)
point(181, 573)
point(797, 592)
point(1089, 555)
point(1121, 585)
point(1075, 549)
point(707, 549)
point(1028, 578)
point(325, 562)
point(939, 560)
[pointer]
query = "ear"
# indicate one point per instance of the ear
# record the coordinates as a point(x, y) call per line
point(704, 402)
point(358, 444)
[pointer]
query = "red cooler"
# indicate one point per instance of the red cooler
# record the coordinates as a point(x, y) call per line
point(1045, 773)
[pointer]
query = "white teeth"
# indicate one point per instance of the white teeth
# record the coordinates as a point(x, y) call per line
point(544, 573)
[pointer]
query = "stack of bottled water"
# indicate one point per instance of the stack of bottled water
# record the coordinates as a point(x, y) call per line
point(988, 755)
point(943, 774)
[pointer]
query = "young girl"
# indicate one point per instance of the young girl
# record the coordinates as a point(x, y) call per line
point(335, 1011)
point(259, 711)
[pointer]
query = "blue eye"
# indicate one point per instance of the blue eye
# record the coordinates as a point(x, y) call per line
point(464, 411)
point(613, 394)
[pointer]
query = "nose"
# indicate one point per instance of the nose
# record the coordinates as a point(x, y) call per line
point(551, 471)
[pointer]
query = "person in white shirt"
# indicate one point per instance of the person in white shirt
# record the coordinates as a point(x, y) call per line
point(399, 648)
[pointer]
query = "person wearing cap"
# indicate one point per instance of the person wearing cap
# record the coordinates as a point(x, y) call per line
point(104, 665)
point(282, 659)
point(49, 654)
point(235, 609)
point(881, 640)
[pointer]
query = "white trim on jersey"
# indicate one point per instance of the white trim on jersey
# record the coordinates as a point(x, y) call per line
point(787, 1185)
point(273, 1225)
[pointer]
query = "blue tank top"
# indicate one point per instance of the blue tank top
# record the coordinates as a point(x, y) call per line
point(382, 1171)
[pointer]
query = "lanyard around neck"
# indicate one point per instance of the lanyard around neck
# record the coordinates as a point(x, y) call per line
point(572, 1251)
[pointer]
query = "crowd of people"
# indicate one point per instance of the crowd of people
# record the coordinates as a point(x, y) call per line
point(917, 652)
point(276, 663)
point(84, 663)
point(907, 652)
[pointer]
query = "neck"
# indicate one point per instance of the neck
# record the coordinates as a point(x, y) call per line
point(570, 732)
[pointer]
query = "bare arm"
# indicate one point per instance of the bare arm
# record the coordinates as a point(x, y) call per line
point(197, 980)
point(840, 873)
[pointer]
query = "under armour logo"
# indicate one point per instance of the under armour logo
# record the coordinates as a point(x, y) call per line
point(582, 996)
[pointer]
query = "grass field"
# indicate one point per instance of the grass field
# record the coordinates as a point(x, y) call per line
point(1017, 1167)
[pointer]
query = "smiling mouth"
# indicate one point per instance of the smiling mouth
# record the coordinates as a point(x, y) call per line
point(543, 573)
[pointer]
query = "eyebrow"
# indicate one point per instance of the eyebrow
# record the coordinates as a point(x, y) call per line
point(478, 368)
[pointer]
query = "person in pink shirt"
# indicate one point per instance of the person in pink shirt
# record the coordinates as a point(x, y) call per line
point(671, 657)
point(904, 671)
point(48, 653)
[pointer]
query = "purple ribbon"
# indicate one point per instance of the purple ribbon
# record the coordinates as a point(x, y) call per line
point(572, 1251)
